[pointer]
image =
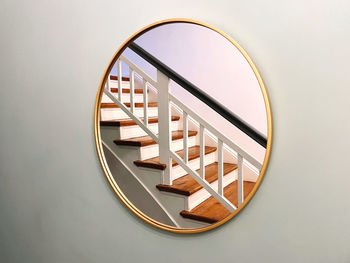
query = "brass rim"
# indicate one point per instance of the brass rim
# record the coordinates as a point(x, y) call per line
point(97, 134)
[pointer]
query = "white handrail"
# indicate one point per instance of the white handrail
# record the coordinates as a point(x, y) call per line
point(166, 155)
point(139, 71)
point(219, 193)
point(215, 132)
point(223, 200)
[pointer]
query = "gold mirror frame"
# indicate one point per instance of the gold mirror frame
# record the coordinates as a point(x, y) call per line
point(97, 134)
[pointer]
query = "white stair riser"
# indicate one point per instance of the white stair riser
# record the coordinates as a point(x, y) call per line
point(125, 84)
point(138, 97)
point(151, 151)
point(177, 171)
point(133, 131)
point(202, 195)
point(118, 113)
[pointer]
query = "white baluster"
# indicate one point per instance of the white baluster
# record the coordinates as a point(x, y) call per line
point(108, 83)
point(240, 179)
point(185, 136)
point(201, 151)
point(164, 126)
point(120, 78)
point(145, 103)
point(220, 168)
point(132, 88)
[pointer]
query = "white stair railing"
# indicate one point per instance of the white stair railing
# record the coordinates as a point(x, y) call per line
point(218, 193)
point(164, 131)
point(118, 101)
point(120, 79)
point(166, 155)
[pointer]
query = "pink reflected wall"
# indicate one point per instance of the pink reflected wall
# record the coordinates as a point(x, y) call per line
point(214, 65)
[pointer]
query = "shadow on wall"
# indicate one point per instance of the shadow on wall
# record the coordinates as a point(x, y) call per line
point(132, 188)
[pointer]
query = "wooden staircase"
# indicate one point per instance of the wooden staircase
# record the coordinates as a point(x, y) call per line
point(129, 122)
point(211, 211)
point(193, 153)
point(200, 205)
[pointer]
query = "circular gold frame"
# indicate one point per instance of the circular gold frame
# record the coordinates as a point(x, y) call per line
point(101, 157)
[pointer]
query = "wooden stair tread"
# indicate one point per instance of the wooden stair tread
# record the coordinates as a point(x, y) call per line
point(116, 78)
point(147, 140)
point(211, 211)
point(136, 91)
point(115, 90)
point(130, 122)
point(193, 153)
point(105, 105)
point(186, 185)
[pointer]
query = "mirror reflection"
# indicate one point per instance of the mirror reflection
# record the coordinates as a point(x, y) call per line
point(183, 125)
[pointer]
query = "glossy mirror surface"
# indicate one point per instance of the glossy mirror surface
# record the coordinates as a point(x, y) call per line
point(183, 126)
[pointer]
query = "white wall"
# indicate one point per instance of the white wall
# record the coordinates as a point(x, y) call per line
point(55, 203)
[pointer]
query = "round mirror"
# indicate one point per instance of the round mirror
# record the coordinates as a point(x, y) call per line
point(183, 126)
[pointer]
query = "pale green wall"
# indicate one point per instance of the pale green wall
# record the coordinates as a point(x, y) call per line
point(55, 204)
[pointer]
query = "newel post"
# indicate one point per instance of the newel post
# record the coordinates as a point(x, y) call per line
point(164, 121)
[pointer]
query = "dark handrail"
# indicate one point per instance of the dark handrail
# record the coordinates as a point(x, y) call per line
point(211, 102)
